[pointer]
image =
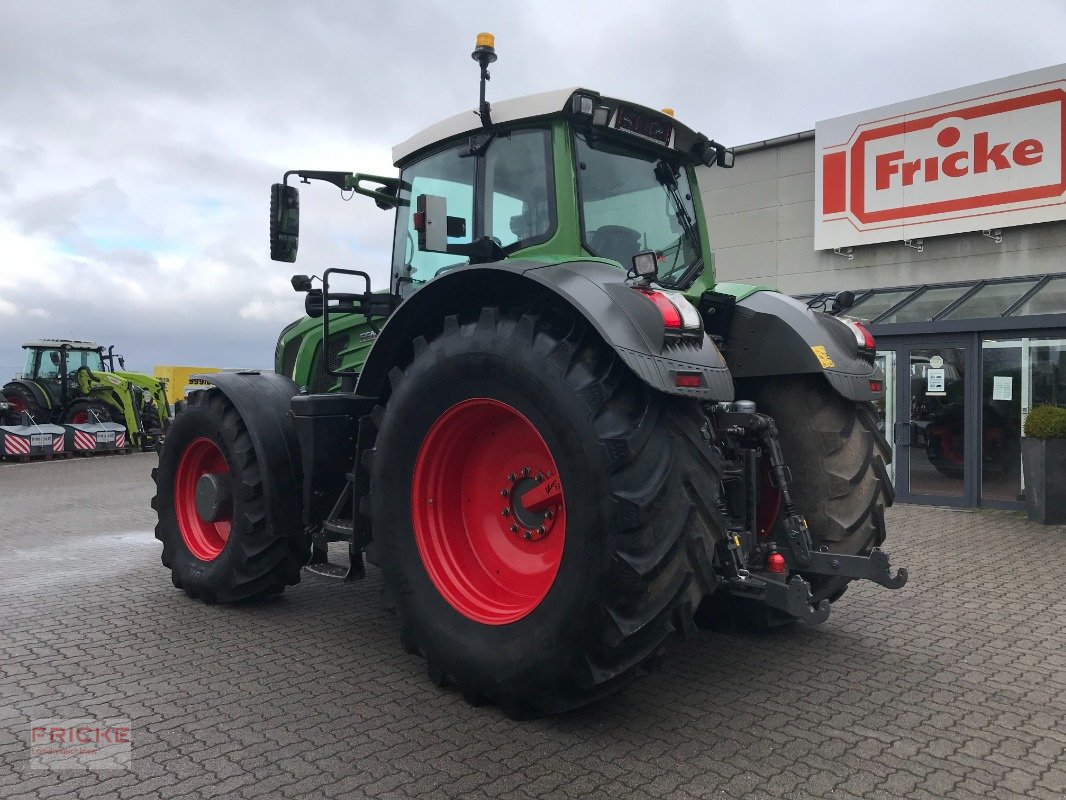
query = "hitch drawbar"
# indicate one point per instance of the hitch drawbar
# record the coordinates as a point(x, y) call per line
point(750, 434)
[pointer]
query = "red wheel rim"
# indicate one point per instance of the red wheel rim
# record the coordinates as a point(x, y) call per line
point(80, 418)
point(488, 512)
point(205, 540)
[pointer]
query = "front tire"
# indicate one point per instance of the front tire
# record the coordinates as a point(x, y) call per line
point(229, 554)
point(86, 411)
point(600, 587)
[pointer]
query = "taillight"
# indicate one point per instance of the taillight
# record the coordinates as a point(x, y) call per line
point(679, 315)
point(863, 337)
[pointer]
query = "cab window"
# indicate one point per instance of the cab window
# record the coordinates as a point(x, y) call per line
point(445, 174)
point(84, 358)
point(518, 211)
point(48, 364)
point(514, 201)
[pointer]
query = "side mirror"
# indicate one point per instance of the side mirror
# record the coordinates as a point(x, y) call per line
point(724, 158)
point(284, 222)
point(433, 225)
point(54, 357)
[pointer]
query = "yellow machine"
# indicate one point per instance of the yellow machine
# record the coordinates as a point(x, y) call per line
point(178, 380)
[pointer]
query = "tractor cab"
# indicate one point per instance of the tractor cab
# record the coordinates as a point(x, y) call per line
point(569, 176)
point(53, 364)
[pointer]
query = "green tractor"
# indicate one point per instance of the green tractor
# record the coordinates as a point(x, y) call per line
point(562, 442)
point(69, 381)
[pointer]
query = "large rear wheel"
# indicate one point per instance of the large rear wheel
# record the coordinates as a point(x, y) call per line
point(209, 500)
point(22, 399)
point(546, 522)
point(838, 460)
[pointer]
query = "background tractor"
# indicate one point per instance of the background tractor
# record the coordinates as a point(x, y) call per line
point(563, 443)
point(69, 381)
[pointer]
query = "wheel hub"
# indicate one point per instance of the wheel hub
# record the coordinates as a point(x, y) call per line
point(214, 497)
point(534, 497)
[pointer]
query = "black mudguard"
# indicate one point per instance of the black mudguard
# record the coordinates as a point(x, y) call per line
point(263, 400)
point(627, 322)
point(39, 394)
point(773, 334)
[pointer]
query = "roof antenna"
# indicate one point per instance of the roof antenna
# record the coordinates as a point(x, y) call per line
point(484, 54)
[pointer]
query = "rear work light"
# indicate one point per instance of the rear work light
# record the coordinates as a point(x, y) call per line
point(679, 315)
point(863, 337)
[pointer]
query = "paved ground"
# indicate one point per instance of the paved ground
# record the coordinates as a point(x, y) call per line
point(953, 688)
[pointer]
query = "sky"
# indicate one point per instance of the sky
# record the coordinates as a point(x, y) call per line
point(138, 141)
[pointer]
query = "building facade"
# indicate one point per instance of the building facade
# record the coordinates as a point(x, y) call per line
point(946, 216)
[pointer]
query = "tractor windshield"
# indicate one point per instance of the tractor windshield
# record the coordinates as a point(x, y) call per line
point(85, 358)
point(632, 201)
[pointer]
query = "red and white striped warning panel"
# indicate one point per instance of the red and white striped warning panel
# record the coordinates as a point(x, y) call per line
point(84, 441)
point(22, 441)
point(95, 437)
point(16, 446)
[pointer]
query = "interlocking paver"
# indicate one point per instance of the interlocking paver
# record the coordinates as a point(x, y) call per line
point(953, 687)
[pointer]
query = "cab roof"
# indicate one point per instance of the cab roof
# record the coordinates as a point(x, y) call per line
point(529, 107)
point(73, 344)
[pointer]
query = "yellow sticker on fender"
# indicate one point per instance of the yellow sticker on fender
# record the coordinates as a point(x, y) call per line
point(823, 357)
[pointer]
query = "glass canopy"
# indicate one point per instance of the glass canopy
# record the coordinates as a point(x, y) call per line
point(978, 299)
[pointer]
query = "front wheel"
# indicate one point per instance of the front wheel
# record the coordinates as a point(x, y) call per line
point(210, 505)
point(88, 411)
point(546, 521)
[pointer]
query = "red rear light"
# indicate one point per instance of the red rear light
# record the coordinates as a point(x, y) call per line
point(863, 338)
point(876, 386)
point(671, 316)
point(688, 380)
point(867, 337)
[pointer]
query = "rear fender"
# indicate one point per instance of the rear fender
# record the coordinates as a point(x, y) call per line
point(39, 394)
point(263, 400)
point(773, 334)
point(627, 322)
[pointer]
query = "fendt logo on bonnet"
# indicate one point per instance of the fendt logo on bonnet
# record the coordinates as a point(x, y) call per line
point(929, 162)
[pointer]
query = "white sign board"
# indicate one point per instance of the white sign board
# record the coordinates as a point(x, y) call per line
point(934, 381)
point(1002, 387)
point(987, 156)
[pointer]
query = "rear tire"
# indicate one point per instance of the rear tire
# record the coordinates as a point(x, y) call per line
point(838, 460)
point(235, 557)
point(22, 399)
point(641, 518)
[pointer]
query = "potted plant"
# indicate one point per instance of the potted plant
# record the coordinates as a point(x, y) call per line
point(1044, 462)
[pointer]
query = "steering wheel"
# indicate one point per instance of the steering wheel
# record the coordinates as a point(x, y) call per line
point(84, 378)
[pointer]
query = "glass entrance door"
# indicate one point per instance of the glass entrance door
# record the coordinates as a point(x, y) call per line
point(934, 428)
